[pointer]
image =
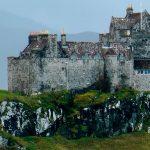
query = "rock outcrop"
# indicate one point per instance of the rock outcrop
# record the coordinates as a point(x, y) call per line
point(113, 117)
point(20, 120)
point(7, 143)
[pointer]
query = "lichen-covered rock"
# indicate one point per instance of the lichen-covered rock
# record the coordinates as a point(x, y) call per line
point(20, 120)
point(3, 142)
point(110, 118)
point(47, 121)
point(17, 119)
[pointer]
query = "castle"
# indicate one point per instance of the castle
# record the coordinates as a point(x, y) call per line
point(123, 54)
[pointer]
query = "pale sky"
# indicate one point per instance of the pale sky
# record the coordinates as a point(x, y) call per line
point(72, 15)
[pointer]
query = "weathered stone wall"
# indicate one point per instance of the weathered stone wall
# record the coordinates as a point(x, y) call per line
point(18, 74)
point(36, 70)
point(141, 82)
point(111, 69)
point(64, 73)
point(120, 72)
point(125, 73)
point(44, 71)
point(37, 74)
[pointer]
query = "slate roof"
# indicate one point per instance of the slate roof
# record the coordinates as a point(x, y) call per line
point(134, 16)
point(36, 45)
point(123, 23)
point(81, 48)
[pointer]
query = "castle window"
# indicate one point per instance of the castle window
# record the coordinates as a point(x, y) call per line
point(63, 68)
point(139, 72)
point(146, 71)
point(53, 89)
point(143, 72)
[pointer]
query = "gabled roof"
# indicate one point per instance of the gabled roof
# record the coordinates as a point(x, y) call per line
point(137, 16)
point(134, 16)
point(128, 21)
point(81, 48)
point(36, 45)
point(124, 23)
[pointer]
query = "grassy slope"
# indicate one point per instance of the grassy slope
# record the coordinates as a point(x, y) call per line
point(48, 100)
point(133, 141)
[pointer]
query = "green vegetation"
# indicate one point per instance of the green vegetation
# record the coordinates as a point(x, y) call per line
point(72, 104)
point(13, 140)
point(135, 141)
point(126, 94)
point(90, 98)
point(45, 100)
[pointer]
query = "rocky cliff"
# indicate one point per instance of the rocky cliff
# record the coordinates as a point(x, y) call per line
point(97, 118)
point(111, 118)
point(22, 121)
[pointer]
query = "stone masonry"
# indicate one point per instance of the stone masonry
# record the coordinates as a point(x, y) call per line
point(48, 65)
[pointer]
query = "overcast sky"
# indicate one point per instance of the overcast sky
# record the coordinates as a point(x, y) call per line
point(72, 15)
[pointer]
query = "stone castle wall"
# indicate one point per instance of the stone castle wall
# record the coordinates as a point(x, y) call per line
point(49, 74)
point(64, 73)
point(77, 67)
point(18, 74)
point(120, 72)
point(141, 82)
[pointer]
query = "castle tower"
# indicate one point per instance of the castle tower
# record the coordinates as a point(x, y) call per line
point(129, 10)
point(53, 45)
point(63, 39)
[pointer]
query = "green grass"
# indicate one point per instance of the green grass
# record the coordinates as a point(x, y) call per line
point(97, 98)
point(45, 100)
point(133, 141)
point(90, 98)
point(127, 94)
point(14, 140)
point(31, 102)
point(63, 98)
point(50, 99)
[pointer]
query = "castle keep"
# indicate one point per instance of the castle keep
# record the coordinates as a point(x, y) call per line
point(123, 54)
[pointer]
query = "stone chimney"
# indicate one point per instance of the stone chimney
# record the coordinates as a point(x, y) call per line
point(63, 39)
point(129, 10)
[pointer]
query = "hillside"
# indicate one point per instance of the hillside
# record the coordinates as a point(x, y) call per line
point(134, 141)
point(61, 120)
